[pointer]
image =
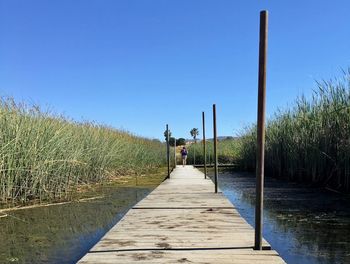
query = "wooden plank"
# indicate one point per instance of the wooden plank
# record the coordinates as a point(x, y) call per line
point(181, 221)
point(199, 256)
point(219, 165)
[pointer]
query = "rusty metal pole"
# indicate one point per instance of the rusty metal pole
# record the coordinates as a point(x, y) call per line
point(204, 150)
point(261, 131)
point(167, 149)
point(174, 152)
point(215, 150)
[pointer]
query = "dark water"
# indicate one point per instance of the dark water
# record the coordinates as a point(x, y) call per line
point(305, 225)
point(63, 233)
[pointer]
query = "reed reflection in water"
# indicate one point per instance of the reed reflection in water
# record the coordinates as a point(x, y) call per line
point(304, 224)
point(63, 233)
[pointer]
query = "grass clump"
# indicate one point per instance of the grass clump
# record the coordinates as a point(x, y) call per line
point(44, 156)
point(227, 151)
point(309, 142)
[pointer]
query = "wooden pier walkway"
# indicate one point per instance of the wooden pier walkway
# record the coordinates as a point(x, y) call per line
point(181, 221)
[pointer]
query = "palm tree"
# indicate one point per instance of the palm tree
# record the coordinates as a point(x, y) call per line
point(194, 133)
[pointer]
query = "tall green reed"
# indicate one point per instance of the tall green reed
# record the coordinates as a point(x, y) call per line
point(227, 152)
point(45, 156)
point(309, 142)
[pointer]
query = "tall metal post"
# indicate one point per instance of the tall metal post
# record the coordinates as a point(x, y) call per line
point(167, 149)
point(261, 130)
point(174, 152)
point(215, 150)
point(204, 150)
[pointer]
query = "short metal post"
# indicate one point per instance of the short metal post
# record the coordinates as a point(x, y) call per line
point(204, 150)
point(194, 154)
point(209, 150)
point(215, 150)
point(261, 131)
point(167, 149)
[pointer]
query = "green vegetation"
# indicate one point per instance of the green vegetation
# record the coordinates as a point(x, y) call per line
point(166, 135)
point(46, 157)
point(228, 150)
point(311, 141)
point(180, 142)
point(171, 141)
point(194, 133)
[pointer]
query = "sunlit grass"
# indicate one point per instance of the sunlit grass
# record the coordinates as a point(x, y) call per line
point(44, 156)
point(311, 141)
point(227, 152)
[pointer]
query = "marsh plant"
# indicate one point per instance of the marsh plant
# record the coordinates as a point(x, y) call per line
point(227, 151)
point(309, 142)
point(45, 156)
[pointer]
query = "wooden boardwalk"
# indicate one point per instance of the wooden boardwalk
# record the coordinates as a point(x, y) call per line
point(181, 221)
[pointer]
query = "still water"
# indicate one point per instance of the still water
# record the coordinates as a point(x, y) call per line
point(64, 233)
point(305, 225)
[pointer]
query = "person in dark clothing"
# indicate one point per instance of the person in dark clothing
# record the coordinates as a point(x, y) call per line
point(184, 156)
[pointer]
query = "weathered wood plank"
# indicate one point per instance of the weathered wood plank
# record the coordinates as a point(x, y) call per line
point(181, 221)
point(195, 256)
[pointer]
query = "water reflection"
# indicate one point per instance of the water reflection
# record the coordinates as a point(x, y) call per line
point(63, 233)
point(305, 225)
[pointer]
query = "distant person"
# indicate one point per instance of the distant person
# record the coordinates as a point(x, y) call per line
point(184, 156)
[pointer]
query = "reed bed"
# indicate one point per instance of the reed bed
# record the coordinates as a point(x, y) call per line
point(227, 152)
point(309, 142)
point(45, 156)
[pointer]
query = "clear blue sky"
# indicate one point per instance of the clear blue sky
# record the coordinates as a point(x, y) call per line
point(140, 64)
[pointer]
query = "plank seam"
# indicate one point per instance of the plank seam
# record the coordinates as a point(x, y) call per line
point(171, 249)
point(203, 207)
